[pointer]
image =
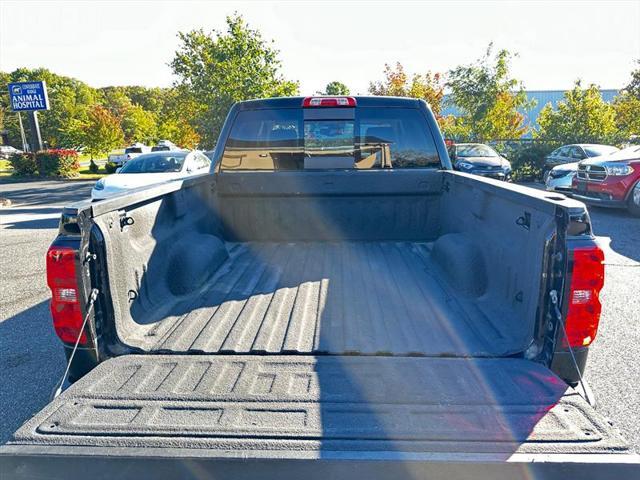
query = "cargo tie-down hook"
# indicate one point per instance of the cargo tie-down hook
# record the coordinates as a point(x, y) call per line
point(524, 221)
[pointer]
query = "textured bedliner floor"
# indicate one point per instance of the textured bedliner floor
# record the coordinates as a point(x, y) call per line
point(244, 403)
point(342, 297)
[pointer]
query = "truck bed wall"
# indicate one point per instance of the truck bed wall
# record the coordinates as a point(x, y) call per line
point(352, 205)
point(176, 242)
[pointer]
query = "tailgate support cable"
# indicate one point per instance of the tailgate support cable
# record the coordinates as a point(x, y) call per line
point(588, 396)
point(92, 299)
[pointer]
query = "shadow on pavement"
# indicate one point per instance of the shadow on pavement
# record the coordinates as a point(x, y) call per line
point(46, 192)
point(31, 362)
point(30, 218)
point(36, 224)
point(29, 211)
point(622, 228)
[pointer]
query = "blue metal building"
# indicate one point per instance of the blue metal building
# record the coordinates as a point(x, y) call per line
point(541, 97)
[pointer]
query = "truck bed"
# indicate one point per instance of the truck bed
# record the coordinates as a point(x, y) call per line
point(380, 263)
point(385, 298)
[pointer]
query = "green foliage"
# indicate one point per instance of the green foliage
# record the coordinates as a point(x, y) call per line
point(181, 133)
point(24, 163)
point(137, 122)
point(102, 132)
point(627, 113)
point(69, 99)
point(583, 116)
point(336, 88)
point(455, 128)
point(46, 163)
point(179, 106)
point(58, 163)
point(527, 158)
point(218, 69)
point(110, 167)
point(115, 100)
point(633, 88)
point(136, 108)
point(150, 99)
point(489, 98)
point(139, 125)
point(428, 87)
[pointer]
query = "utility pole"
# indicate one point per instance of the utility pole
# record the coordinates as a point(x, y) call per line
point(36, 138)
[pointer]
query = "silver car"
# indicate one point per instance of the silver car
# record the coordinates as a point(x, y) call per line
point(559, 178)
point(574, 153)
point(7, 150)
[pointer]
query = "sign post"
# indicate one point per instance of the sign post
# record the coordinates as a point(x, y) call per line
point(30, 97)
point(25, 145)
point(34, 127)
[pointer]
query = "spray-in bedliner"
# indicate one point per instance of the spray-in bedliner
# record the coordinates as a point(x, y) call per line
point(307, 403)
point(386, 298)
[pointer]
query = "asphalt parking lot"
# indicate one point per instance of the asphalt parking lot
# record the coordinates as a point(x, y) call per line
point(32, 362)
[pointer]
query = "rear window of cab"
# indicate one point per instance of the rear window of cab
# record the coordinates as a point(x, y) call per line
point(335, 138)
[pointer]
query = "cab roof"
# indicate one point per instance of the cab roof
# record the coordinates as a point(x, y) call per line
point(296, 102)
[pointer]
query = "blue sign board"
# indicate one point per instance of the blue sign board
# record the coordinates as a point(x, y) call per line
point(25, 96)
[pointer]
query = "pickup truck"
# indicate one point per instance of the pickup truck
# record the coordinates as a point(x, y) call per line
point(130, 153)
point(331, 301)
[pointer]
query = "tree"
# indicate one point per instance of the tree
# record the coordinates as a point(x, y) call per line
point(582, 117)
point(151, 99)
point(453, 127)
point(101, 133)
point(69, 101)
point(218, 69)
point(489, 99)
point(627, 107)
point(175, 118)
point(116, 100)
point(180, 133)
point(627, 114)
point(634, 85)
point(428, 87)
point(6, 120)
point(336, 88)
point(139, 125)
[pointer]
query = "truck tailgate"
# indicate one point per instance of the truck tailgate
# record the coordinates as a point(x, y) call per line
point(316, 416)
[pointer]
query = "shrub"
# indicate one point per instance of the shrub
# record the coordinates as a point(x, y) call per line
point(527, 159)
point(93, 167)
point(24, 163)
point(58, 163)
point(110, 167)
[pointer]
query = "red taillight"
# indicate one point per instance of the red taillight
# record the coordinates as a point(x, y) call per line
point(329, 102)
point(65, 301)
point(583, 314)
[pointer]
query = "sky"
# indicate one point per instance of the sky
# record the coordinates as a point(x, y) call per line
point(131, 43)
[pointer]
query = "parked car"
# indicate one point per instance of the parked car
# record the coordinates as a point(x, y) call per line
point(559, 178)
point(333, 301)
point(130, 153)
point(610, 181)
point(575, 153)
point(7, 150)
point(479, 159)
point(164, 146)
point(149, 169)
